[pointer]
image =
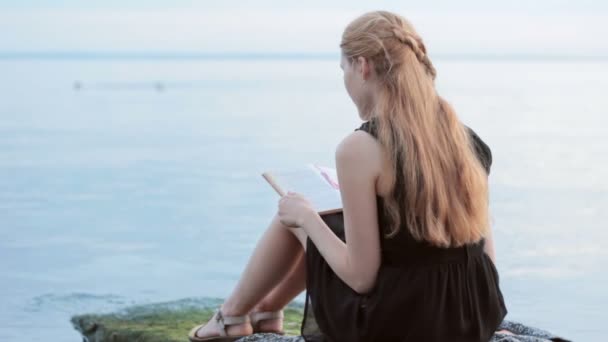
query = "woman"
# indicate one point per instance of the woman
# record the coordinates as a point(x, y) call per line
point(411, 256)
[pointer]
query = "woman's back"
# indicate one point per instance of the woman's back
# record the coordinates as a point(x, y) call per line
point(422, 292)
point(403, 245)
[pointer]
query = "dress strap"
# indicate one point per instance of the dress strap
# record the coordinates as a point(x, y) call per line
point(369, 126)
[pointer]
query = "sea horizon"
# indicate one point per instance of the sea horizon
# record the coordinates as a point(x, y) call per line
point(289, 55)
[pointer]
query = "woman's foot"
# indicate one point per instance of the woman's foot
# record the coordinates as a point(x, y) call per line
point(213, 326)
point(506, 332)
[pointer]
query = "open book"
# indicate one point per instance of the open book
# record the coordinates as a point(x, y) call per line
point(319, 184)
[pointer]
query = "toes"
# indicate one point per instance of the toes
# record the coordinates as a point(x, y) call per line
point(196, 334)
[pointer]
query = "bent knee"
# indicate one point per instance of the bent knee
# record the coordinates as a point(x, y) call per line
point(299, 233)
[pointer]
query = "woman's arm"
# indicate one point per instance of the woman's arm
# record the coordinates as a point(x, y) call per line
point(489, 246)
point(357, 261)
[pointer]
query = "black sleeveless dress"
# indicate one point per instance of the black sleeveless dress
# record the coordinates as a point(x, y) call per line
point(422, 293)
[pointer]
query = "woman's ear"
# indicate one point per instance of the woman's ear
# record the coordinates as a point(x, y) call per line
point(364, 67)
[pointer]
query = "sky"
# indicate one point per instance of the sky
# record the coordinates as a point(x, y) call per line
point(466, 27)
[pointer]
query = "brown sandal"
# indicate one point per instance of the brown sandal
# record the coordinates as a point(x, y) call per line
point(223, 321)
point(256, 317)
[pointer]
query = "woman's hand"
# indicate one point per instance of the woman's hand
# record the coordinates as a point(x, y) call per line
point(294, 210)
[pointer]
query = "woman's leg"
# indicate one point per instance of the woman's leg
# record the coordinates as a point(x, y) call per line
point(272, 260)
point(291, 286)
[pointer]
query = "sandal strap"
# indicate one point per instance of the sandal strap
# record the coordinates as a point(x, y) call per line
point(259, 316)
point(223, 321)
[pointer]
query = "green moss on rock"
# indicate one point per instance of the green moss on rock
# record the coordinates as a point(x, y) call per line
point(163, 322)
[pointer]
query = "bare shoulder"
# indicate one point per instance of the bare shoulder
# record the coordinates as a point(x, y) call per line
point(360, 152)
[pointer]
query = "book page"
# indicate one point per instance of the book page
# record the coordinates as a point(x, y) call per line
point(327, 174)
point(319, 185)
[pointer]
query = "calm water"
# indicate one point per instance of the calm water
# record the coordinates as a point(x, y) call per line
point(144, 185)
